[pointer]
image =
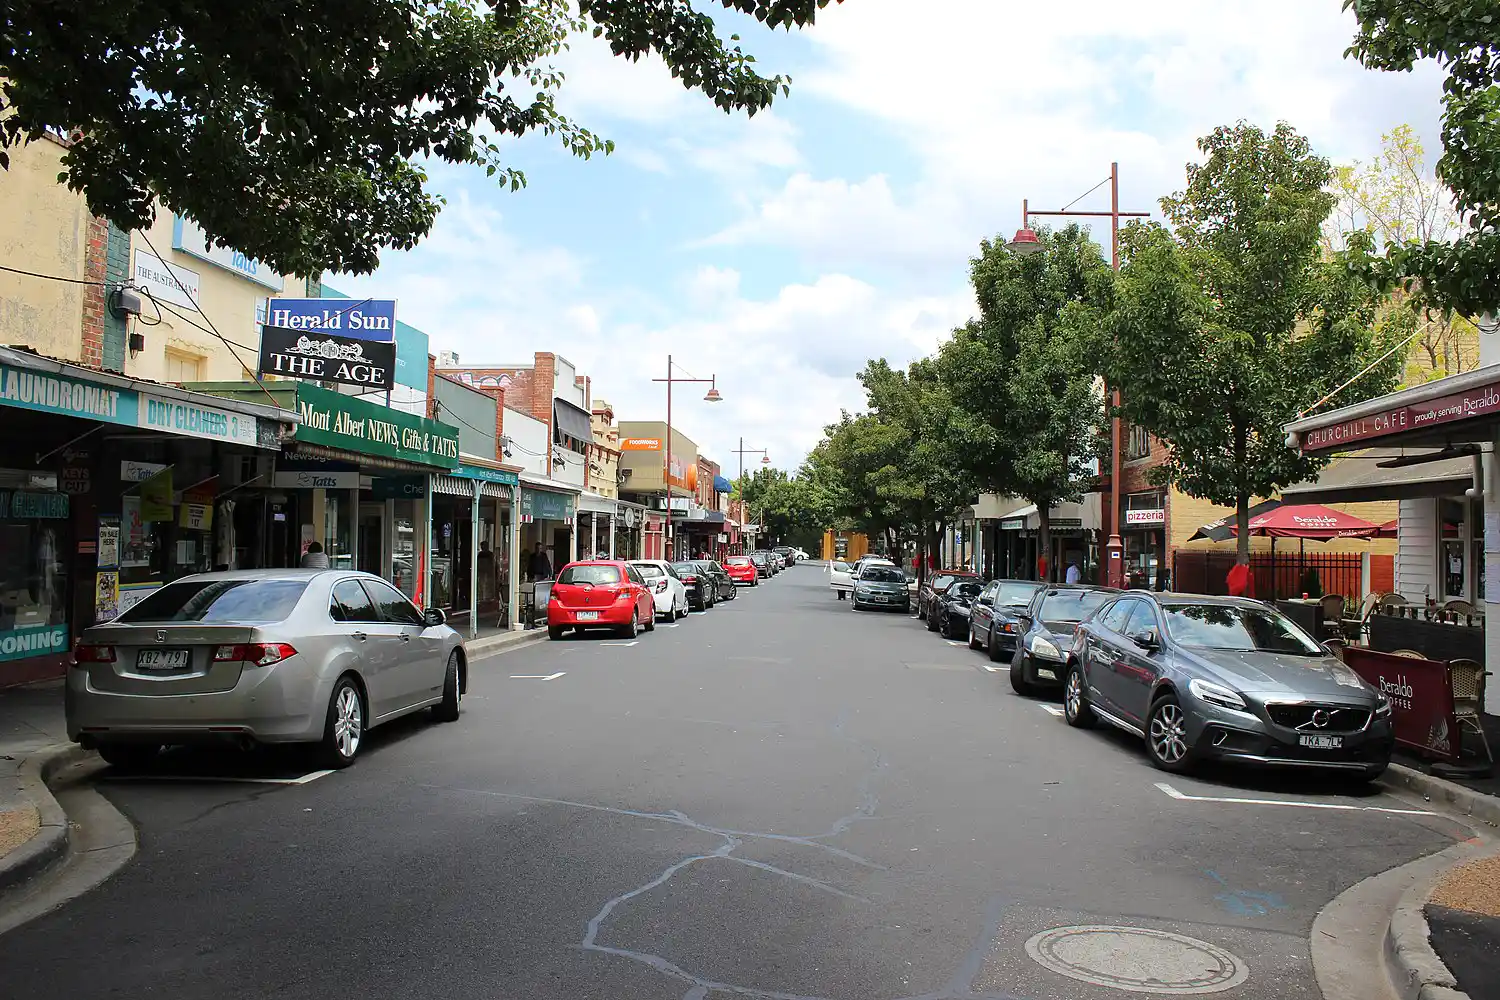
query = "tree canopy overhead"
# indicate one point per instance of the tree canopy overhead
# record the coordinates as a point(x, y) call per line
point(289, 129)
point(1464, 38)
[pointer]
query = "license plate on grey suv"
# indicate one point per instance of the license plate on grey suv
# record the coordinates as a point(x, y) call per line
point(162, 660)
point(1322, 742)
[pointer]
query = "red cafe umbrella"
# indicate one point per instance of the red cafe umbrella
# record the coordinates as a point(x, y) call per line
point(1310, 520)
point(1386, 530)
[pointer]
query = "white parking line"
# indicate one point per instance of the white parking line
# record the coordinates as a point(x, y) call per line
point(1053, 709)
point(993, 670)
point(537, 677)
point(632, 642)
point(208, 778)
point(1340, 806)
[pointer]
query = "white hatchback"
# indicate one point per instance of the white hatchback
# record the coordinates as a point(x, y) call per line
point(667, 591)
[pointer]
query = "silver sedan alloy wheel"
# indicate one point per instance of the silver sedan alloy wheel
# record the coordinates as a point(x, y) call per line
point(348, 721)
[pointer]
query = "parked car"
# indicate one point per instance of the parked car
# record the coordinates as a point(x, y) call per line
point(787, 553)
point(742, 569)
point(1044, 649)
point(777, 563)
point(668, 592)
point(600, 594)
point(995, 618)
point(762, 565)
point(801, 555)
point(841, 578)
point(882, 587)
point(261, 656)
point(933, 588)
point(701, 592)
point(723, 588)
point(1224, 678)
point(951, 611)
point(869, 558)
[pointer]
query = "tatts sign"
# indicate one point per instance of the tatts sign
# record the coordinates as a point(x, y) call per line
point(327, 357)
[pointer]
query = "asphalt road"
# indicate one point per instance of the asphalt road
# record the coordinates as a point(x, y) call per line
point(780, 798)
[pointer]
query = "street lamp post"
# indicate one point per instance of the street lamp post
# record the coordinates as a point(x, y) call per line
point(1026, 243)
point(742, 451)
point(711, 397)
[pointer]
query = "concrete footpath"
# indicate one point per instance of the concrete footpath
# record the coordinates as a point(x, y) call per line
point(1443, 940)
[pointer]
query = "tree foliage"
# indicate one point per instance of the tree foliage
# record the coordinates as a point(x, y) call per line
point(1024, 375)
point(1464, 38)
point(1395, 200)
point(795, 509)
point(1229, 325)
point(294, 130)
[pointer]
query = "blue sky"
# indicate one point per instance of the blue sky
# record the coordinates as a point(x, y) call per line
point(780, 252)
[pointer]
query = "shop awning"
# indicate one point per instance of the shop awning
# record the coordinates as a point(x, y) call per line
point(1464, 407)
point(1365, 475)
point(596, 504)
point(572, 420)
point(33, 382)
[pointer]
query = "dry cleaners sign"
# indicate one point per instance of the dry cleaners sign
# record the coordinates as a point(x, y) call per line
point(326, 357)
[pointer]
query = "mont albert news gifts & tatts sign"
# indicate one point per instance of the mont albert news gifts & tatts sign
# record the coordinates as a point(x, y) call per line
point(321, 356)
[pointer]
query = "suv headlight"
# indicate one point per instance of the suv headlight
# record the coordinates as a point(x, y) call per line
point(1382, 705)
point(1042, 646)
point(1216, 694)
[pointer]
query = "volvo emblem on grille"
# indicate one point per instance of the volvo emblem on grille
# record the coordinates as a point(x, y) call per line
point(161, 635)
point(1320, 718)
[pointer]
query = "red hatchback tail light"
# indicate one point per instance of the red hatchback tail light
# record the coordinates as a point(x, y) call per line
point(257, 654)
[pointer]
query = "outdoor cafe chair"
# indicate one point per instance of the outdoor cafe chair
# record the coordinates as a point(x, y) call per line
point(1467, 678)
point(1410, 654)
point(1332, 612)
point(1353, 628)
point(1461, 607)
point(1392, 601)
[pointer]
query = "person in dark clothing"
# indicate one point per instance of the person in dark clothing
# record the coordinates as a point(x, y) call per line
point(540, 566)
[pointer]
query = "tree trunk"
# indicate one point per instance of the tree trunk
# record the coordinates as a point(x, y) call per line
point(1046, 571)
point(1242, 528)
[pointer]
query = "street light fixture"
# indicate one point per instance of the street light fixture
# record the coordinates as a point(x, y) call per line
point(712, 396)
point(742, 451)
point(1027, 243)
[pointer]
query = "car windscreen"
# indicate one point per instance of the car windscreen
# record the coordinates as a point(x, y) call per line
point(967, 589)
point(218, 602)
point(737, 561)
point(881, 574)
point(648, 570)
point(1015, 595)
point(686, 567)
point(1071, 605)
point(598, 576)
point(1249, 630)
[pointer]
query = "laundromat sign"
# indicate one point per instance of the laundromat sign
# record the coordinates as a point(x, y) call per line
point(74, 397)
point(335, 420)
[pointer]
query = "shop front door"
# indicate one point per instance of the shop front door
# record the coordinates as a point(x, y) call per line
point(372, 539)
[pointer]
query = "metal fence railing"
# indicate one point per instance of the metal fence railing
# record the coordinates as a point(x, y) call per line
point(1206, 573)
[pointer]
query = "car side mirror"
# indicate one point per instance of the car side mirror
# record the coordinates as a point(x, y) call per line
point(1146, 638)
point(988, 602)
point(434, 616)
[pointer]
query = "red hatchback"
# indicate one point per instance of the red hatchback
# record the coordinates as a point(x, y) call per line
point(742, 570)
point(600, 593)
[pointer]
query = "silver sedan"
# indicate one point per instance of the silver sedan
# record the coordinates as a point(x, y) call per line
point(261, 656)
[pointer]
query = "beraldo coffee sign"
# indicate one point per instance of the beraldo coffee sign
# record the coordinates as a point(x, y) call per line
point(321, 356)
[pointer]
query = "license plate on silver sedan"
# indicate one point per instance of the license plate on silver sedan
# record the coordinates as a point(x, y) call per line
point(1322, 742)
point(161, 660)
point(588, 616)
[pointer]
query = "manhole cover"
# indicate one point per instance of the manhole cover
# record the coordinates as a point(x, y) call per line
point(1137, 960)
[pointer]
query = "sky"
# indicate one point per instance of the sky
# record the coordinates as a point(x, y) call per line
point(778, 253)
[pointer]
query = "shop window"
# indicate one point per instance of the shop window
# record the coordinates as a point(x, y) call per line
point(1137, 443)
point(183, 367)
point(35, 538)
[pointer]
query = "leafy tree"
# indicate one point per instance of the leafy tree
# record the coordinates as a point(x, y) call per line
point(1464, 39)
point(858, 458)
point(1395, 200)
point(293, 130)
point(1233, 323)
point(1024, 374)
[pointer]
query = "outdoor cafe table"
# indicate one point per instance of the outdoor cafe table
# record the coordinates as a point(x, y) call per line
point(1441, 641)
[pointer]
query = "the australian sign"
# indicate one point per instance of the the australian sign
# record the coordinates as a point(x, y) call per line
point(320, 356)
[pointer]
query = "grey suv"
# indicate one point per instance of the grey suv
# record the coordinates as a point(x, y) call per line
point(1227, 678)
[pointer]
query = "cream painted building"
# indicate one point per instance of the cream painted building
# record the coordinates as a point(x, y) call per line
point(44, 229)
point(604, 455)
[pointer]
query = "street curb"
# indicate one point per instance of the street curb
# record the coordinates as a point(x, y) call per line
point(50, 842)
point(1439, 792)
point(1416, 971)
point(500, 643)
